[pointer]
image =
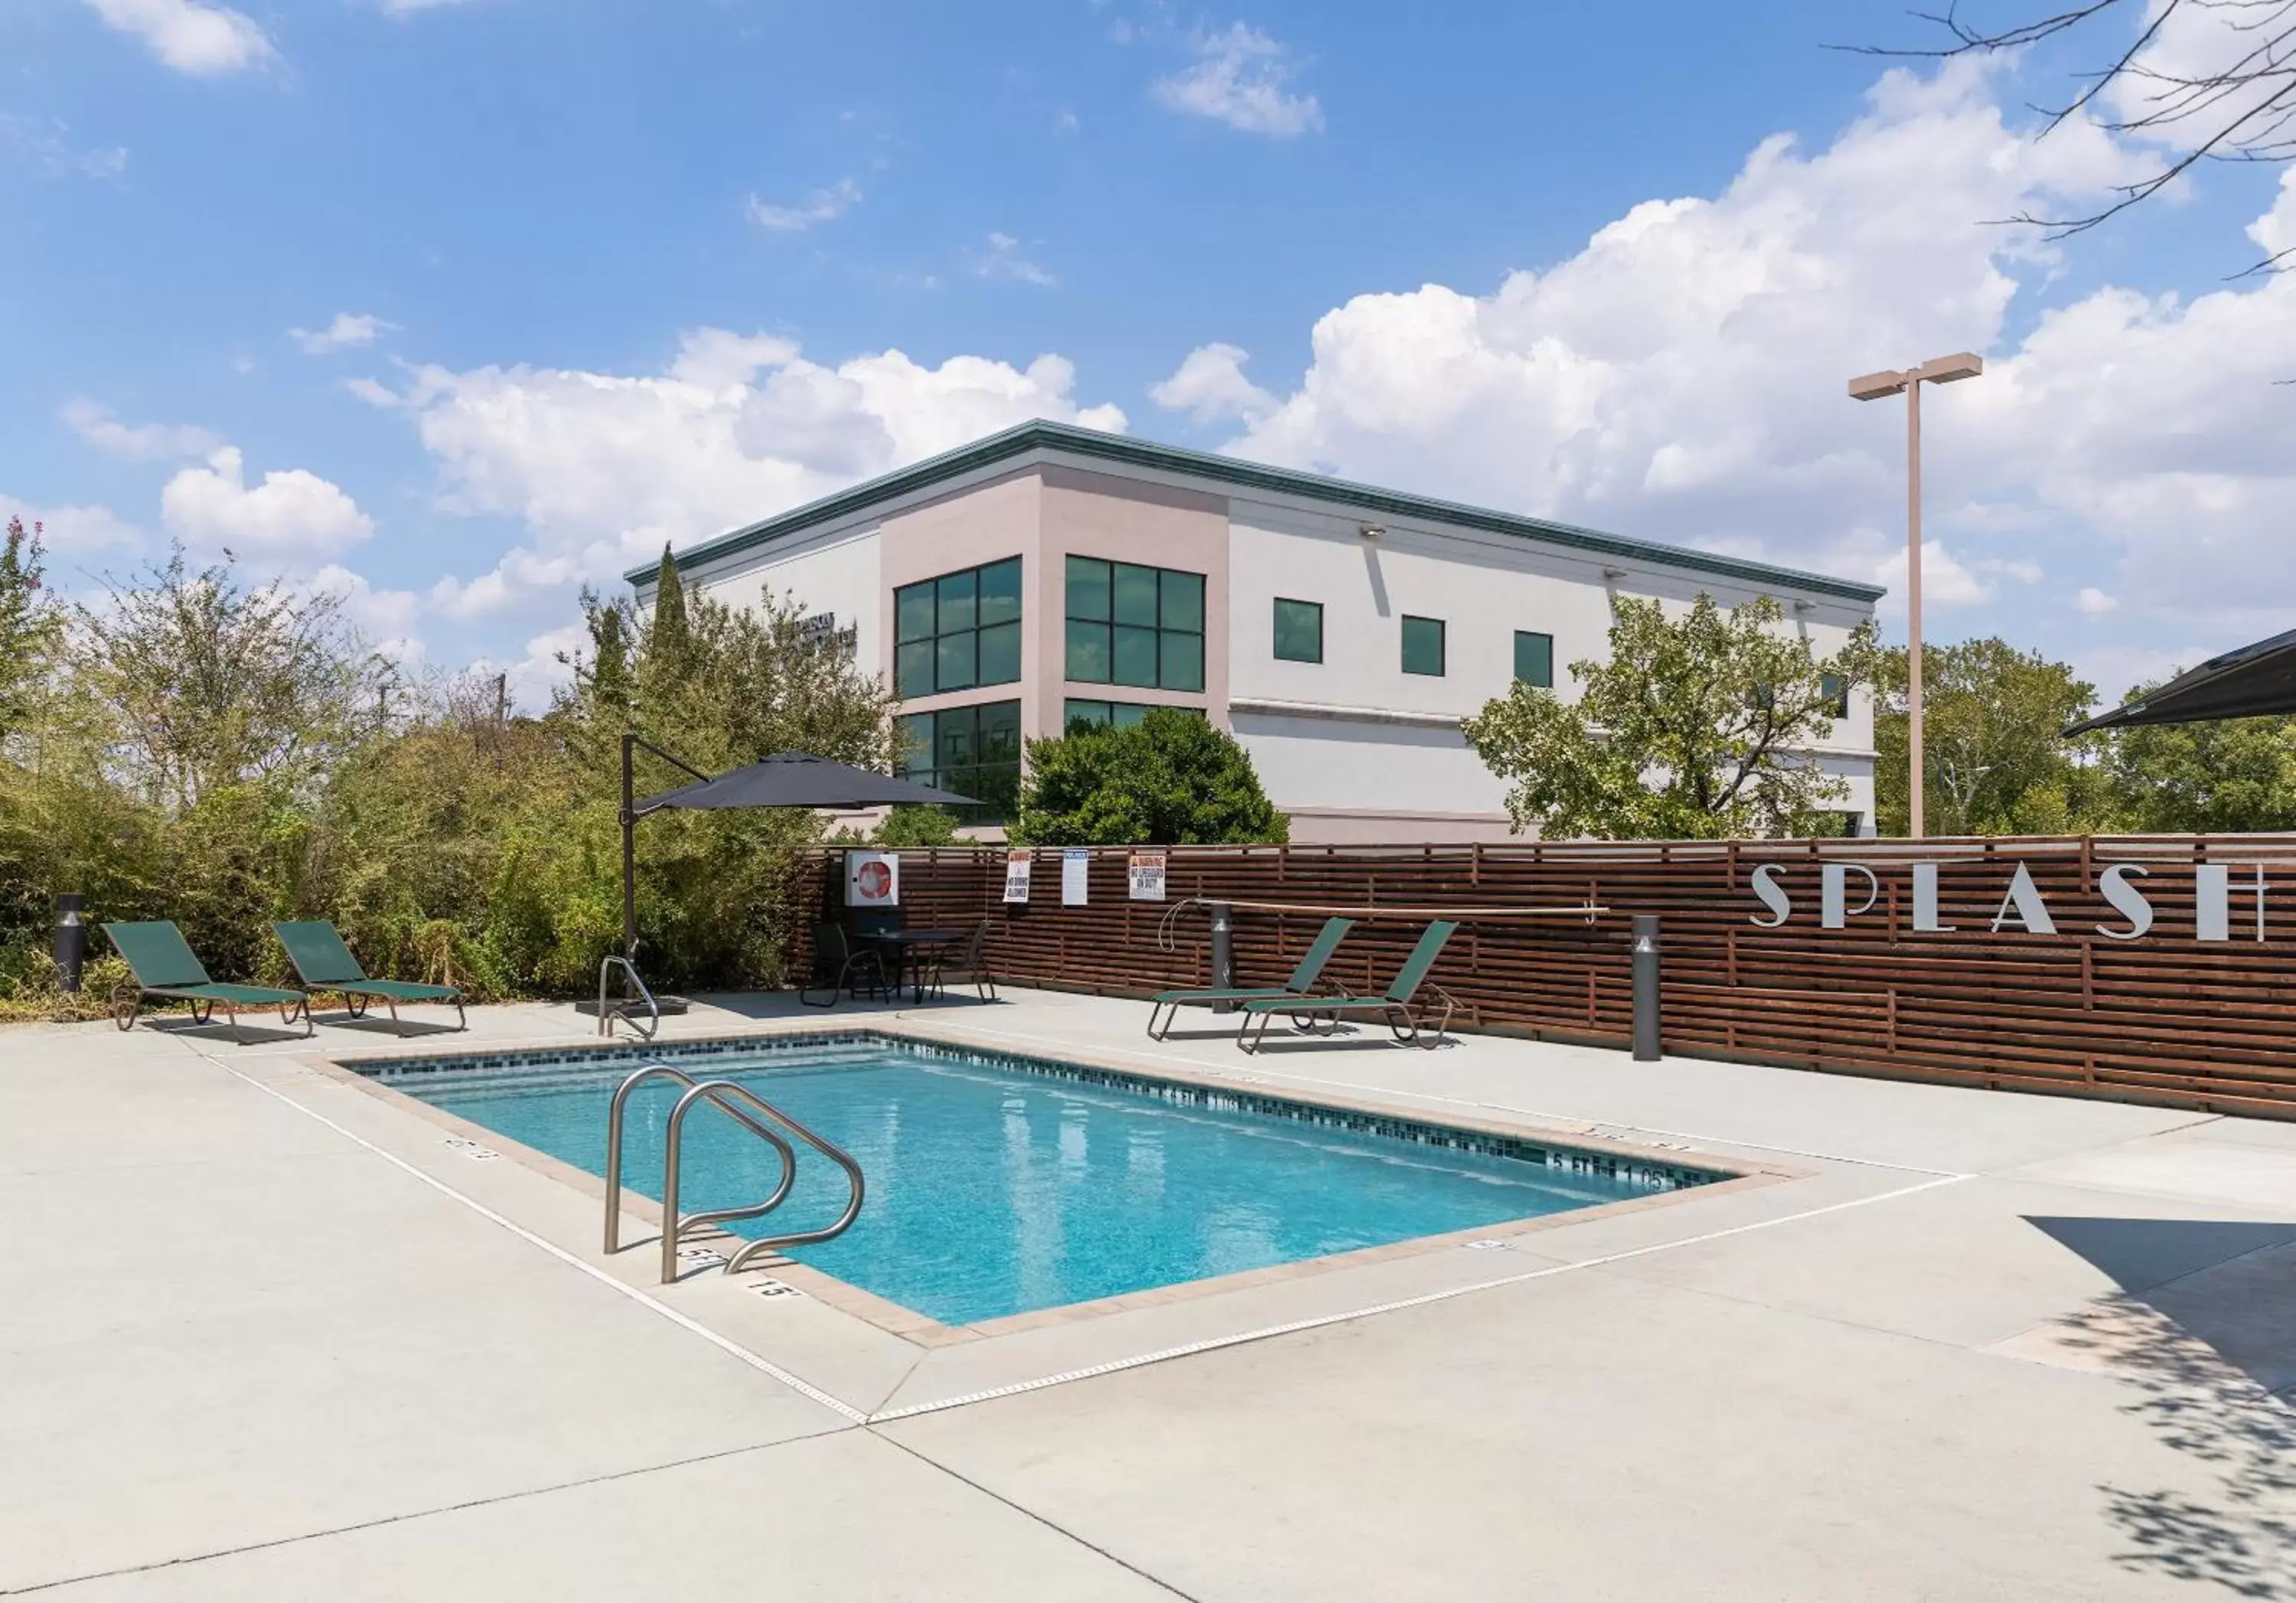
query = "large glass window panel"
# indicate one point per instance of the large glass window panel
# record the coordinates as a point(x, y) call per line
point(1000, 654)
point(1183, 604)
point(954, 737)
point(956, 667)
point(1534, 659)
point(1299, 631)
point(912, 669)
point(1422, 645)
point(1000, 592)
point(1089, 652)
point(1125, 714)
point(916, 737)
point(999, 736)
point(1134, 661)
point(1083, 714)
point(913, 612)
point(1087, 588)
point(959, 600)
point(1136, 594)
point(1183, 665)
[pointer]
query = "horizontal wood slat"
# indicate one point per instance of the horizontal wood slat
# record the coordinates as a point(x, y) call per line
point(2168, 1019)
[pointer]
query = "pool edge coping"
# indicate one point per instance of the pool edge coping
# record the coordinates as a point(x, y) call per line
point(922, 1330)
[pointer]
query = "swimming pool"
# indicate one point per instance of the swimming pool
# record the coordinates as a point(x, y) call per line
point(1001, 1185)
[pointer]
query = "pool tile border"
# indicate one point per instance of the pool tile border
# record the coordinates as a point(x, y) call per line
point(1655, 1175)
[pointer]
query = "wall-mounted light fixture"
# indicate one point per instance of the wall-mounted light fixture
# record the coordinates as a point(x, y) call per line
point(1372, 531)
point(1613, 575)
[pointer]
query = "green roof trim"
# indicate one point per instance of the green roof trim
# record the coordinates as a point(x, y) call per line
point(1244, 475)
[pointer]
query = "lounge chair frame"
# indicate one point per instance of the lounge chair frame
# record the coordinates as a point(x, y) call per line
point(203, 995)
point(359, 989)
point(1302, 984)
point(1398, 1007)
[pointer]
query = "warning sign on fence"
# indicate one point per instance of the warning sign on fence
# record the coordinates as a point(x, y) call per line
point(1147, 876)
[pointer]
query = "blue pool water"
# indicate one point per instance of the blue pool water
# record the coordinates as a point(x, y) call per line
point(995, 1189)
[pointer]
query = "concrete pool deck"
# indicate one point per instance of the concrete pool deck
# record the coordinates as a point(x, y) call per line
point(267, 1335)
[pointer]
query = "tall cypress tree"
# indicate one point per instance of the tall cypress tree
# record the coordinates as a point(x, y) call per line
point(673, 635)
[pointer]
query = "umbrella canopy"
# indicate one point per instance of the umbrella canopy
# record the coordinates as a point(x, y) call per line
point(2249, 683)
point(799, 779)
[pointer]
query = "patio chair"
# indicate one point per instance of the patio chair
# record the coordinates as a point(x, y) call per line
point(845, 968)
point(1302, 983)
point(969, 965)
point(1396, 1005)
point(323, 962)
point(164, 965)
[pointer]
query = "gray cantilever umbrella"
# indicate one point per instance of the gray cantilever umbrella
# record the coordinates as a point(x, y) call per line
point(2250, 682)
point(784, 779)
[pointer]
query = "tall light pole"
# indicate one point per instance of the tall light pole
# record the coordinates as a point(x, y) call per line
point(1874, 386)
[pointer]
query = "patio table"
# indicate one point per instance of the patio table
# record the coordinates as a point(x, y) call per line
point(905, 949)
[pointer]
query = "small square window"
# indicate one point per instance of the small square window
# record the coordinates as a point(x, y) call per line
point(1835, 691)
point(1423, 647)
point(1299, 630)
point(1534, 659)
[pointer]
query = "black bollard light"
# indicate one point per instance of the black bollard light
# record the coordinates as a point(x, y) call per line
point(72, 942)
point(1222, 951)
point(1646, 959)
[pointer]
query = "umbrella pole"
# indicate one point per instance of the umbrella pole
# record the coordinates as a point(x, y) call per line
point(629, 852)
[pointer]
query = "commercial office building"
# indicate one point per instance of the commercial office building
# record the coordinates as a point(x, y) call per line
point(1047, 573)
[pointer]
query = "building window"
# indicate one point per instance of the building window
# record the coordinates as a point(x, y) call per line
point(975, 750)
point(1835, 691)
point(1123, 715)
point(1422, 645)
point(1534, 659)
point(1299, 630)
point(957, 631)
point(1130, 625)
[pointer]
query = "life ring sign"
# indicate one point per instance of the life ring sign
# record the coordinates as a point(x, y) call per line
point(872, 879)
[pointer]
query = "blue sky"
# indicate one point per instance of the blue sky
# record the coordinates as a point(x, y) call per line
point(454, 305)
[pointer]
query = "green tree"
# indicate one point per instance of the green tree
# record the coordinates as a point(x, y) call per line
point(1696, 728)
point(2225, 775)
point(670, 634)
point(1992, 761)
point(30, 626)
point(1172, 779)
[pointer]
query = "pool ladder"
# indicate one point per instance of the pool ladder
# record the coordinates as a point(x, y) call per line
point(754, 1113)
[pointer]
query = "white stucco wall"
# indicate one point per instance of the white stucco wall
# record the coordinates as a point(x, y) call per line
point(838, 573)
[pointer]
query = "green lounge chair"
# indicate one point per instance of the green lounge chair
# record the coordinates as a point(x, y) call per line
point(323, 962)
point(1302, 983)
point(1396, 1007)
point(163, 965)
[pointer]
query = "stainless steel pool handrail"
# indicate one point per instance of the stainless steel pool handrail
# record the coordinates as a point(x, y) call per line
point(616, 1112)
point(606, 1019)
point(710, 1091)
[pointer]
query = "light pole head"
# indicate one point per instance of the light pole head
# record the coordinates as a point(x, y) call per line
point(1874, 386)
point(1946, 370)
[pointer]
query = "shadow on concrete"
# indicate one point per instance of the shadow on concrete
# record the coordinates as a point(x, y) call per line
point(241, 1035)
point(2203, 1331)
point(784, 1004)
point(406, 1028)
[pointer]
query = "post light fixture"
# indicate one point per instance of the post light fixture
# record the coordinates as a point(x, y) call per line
point(1875, 386)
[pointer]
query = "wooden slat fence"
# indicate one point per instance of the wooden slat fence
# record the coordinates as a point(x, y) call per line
point(2167, 1018)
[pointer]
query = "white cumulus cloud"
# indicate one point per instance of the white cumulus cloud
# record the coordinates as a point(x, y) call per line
point(822, 206)
point(1210, 386)
point(1242, 77)
point(205, 40)
point(602, 468)
point(136, 442)
point(349, 331)
point(293, 516)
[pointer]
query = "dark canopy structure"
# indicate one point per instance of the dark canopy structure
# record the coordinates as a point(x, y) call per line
point(784, 779)
point(2251, 682)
